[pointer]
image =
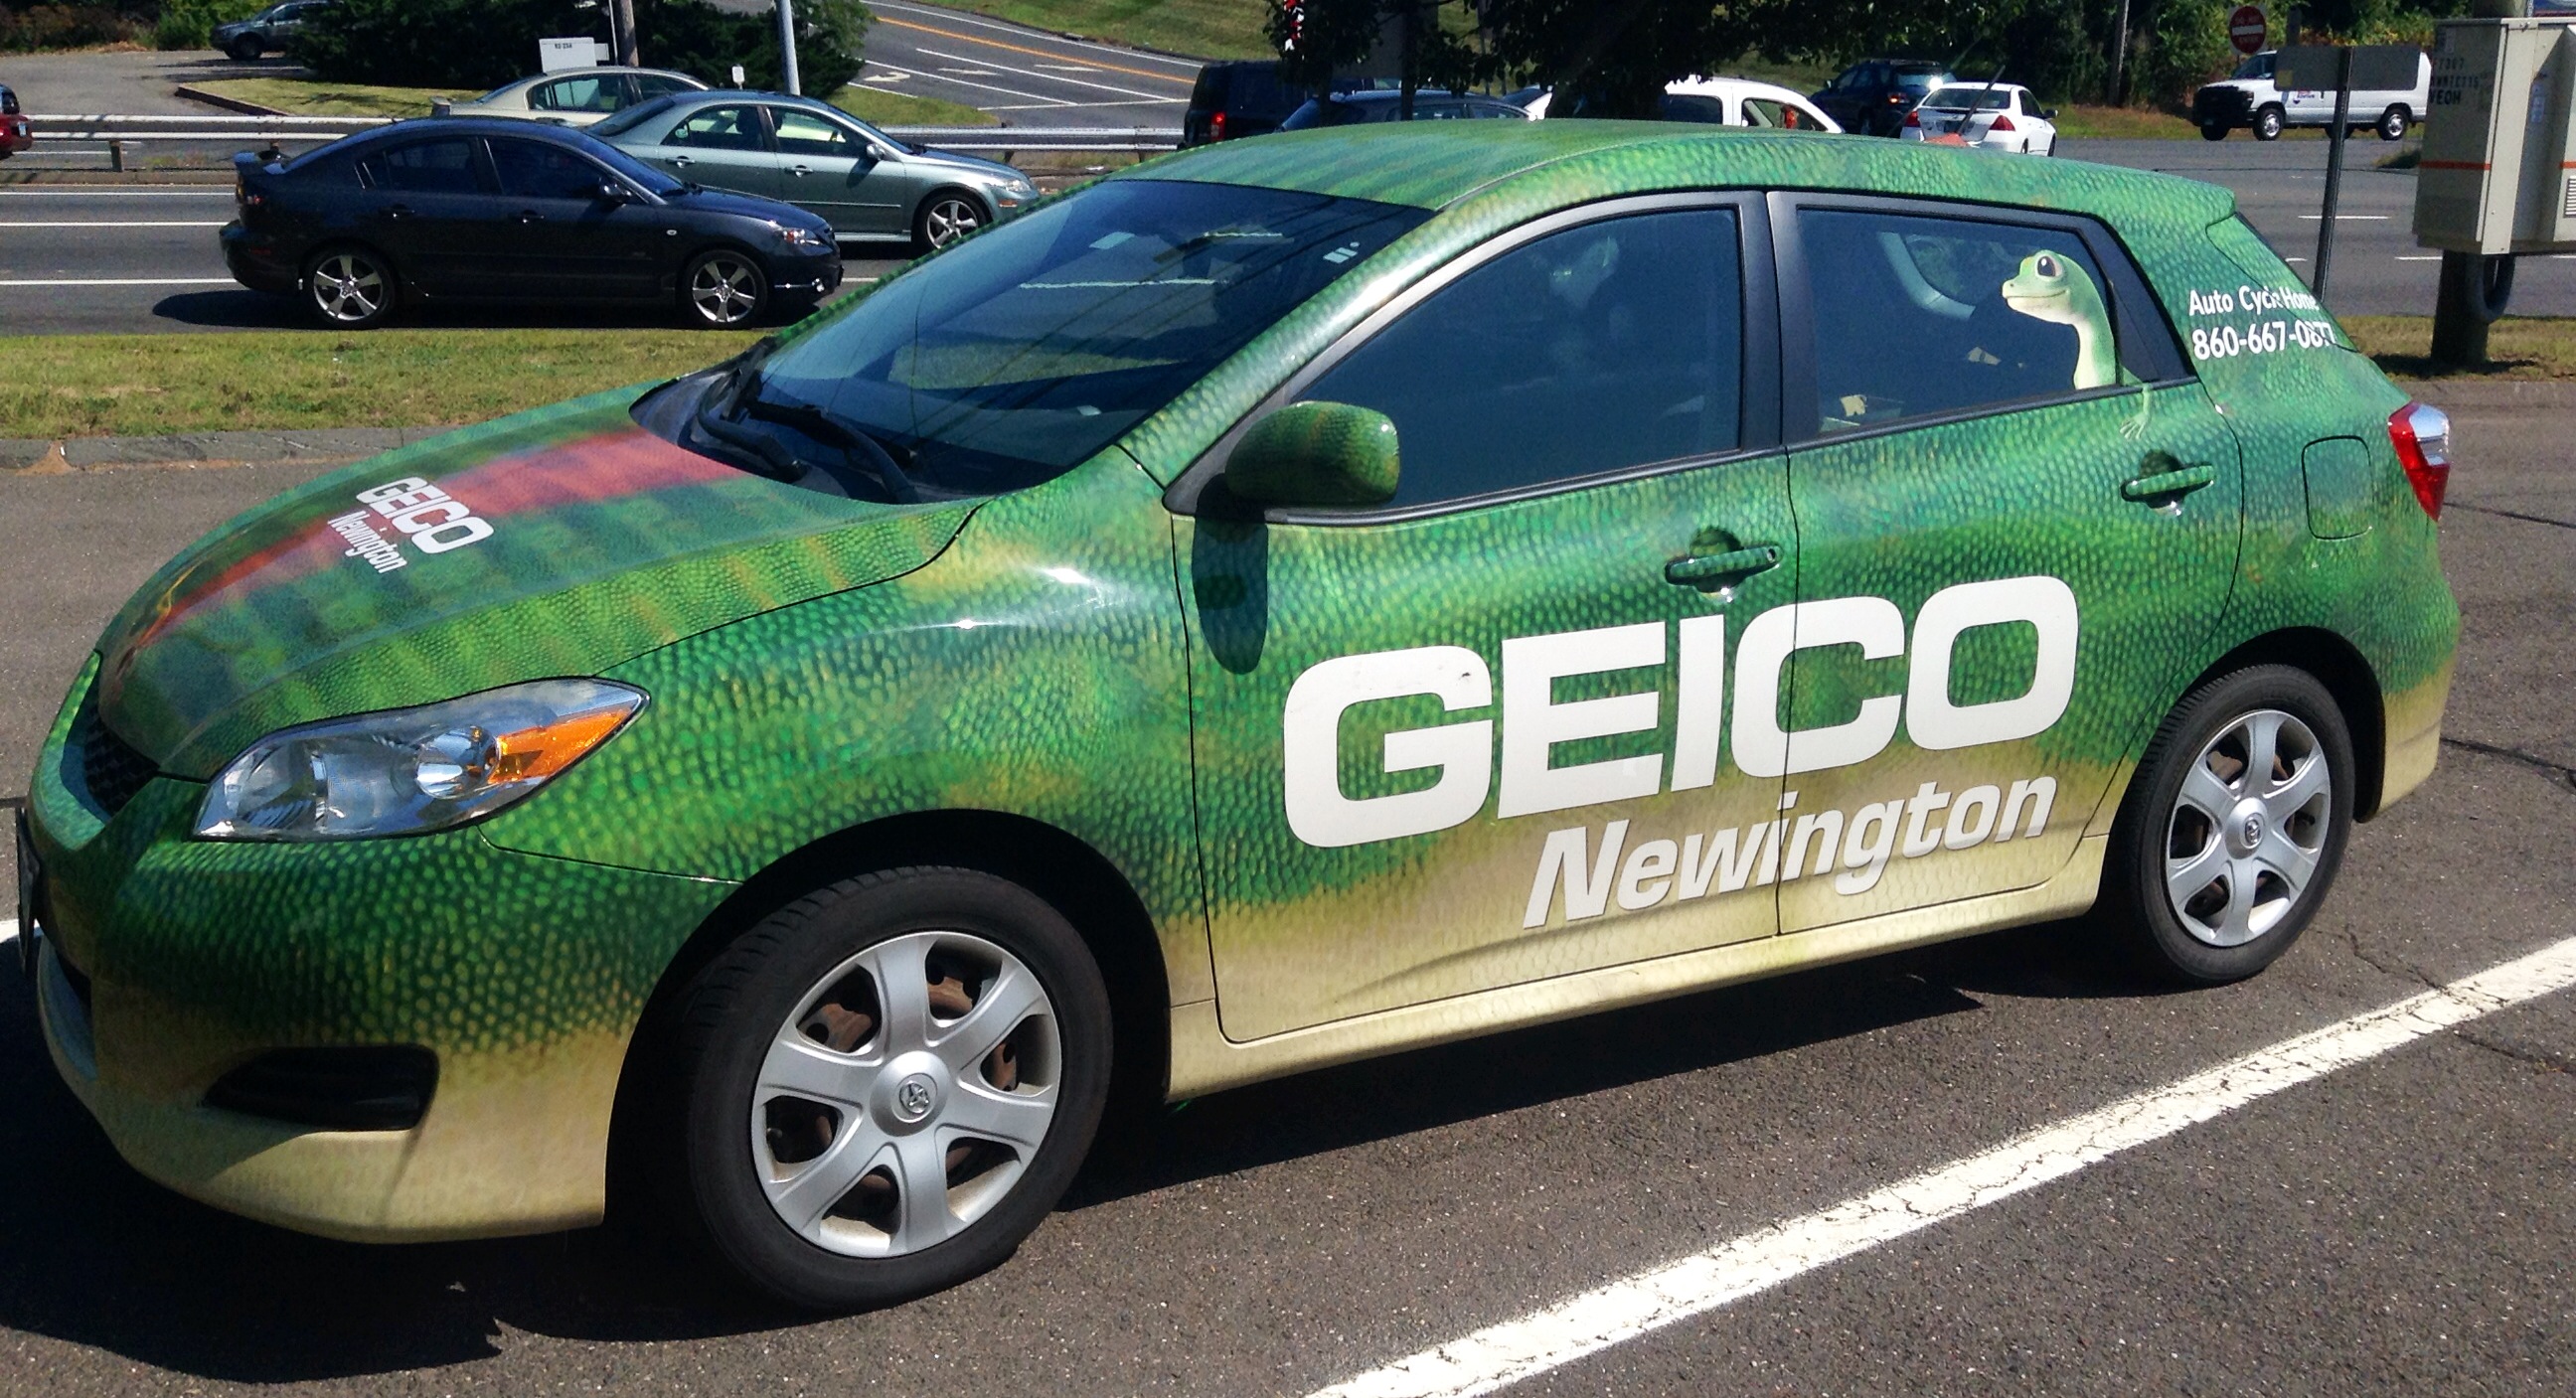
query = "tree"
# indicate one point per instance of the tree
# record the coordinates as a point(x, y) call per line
point(484, 43)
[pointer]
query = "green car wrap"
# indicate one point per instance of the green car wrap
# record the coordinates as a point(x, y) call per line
point(1080, 662)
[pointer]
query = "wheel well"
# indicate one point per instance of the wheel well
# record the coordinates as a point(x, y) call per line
point(2400, 108)
point(923, 208)
point(328, 246)
point(2346, 676)
point(1068, 873)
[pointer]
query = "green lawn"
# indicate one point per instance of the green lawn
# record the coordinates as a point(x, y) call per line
point(311, 97)
point(2518, 347)
point(2124, 123)
point(153, 385)
point(1198, 28)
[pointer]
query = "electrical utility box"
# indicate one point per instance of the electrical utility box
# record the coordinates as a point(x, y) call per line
point(2499, 166)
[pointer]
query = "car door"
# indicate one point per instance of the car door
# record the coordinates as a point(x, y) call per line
point(2018, 516)
point(431, 206)
point(1476, 737)
point(723, 147)
point(567, 240)
point(826, 166)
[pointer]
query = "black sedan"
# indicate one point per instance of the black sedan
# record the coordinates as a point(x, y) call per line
point(463, 209)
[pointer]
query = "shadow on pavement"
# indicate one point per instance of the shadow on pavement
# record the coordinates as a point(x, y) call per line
point(231, 310)
point(252, 310)
point(92, 1253)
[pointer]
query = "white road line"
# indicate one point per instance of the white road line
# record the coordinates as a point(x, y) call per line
point(1038, 97)
point(2339, 218)
point(130, 223)
point(1086, 106)
point(1623, 1310)
point(1050, 77)
point(970, 21)
point(122, 281)
point(2419, 257)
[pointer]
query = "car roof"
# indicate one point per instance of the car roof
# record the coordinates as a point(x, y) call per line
point(1435, 165)
point(534, 78)
point(1731, 87)
point(472, 126)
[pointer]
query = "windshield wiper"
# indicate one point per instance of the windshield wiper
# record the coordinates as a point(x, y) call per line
point(736, 396)
point(822, 426)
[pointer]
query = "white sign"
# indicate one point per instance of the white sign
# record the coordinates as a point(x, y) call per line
point(555, 55)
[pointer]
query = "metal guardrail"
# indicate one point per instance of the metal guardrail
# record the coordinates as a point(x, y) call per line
point(223, 127)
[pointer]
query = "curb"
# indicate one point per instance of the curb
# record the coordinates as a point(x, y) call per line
point(37, 456)
point(230, 104)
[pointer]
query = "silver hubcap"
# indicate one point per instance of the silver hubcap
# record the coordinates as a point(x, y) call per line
point(2248, 828)
point(348, 287)
point(725, 290)
point(950, 220)
point(906, 1094)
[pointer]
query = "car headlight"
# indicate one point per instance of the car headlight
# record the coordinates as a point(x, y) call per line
point(802, 237)
point(411, 770)
point(1013, 193)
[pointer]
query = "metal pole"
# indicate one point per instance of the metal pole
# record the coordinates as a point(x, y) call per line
point(787, 46)
point(2334, 171)
point(2119, 52)
point(621, 32)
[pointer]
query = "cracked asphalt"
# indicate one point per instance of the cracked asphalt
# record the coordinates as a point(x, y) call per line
point(2404, 1227)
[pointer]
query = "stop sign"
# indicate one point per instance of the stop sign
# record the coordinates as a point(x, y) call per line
point(2246, 28)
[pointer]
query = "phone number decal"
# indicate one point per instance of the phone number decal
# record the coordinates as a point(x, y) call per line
point(2261, 337)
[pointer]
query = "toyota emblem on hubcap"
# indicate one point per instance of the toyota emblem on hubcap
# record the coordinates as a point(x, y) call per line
point(912, 1098)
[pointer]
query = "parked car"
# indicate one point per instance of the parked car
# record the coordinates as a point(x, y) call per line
point(1873, 96)
point(14, 136)
point(576, 97)
point(1361, 108)
point(267, 31)
point(2247, 99)
point(450, 209)
point(821, 159)
point(803, 783)
point(1715, 102)
point(1990, 116)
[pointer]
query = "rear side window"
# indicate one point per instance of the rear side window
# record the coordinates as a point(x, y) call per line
point(1914, 316)
point(1601, 347)
point(427, 167)
point(603, 92)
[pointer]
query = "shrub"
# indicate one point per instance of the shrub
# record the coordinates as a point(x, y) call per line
point(189, 24)
point(484, 43)
point(62, 27)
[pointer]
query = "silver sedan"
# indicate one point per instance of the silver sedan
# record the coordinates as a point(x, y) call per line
point(867, 184)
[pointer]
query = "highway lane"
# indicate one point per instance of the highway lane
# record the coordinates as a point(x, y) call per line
point(2402, 1227)
point(1027, 77)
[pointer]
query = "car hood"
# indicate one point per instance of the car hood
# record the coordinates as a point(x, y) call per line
point(604, 541)
point(962, 164)
point(719, 201)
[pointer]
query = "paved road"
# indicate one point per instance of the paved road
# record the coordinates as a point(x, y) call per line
point(1025, 76)
point(2402, 1227)
point(129, 84)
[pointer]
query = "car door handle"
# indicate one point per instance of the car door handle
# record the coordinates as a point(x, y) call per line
point(682, 161)
point(2169, 485)
point(1718, 567)
point(800, 169)
point(530, 216)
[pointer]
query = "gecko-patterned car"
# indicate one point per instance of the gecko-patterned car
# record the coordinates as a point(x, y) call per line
point(1292, 601)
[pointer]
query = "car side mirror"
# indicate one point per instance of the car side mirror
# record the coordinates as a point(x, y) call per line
point(1315, 454)
point(611, 192)
point(2048, 114)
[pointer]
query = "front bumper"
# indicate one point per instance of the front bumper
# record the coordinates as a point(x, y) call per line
point(257, 262)
point(813, 275)
point(170, 961)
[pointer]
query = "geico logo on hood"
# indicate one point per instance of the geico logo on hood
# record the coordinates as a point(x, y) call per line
point(429, 517)
point(1533, 722)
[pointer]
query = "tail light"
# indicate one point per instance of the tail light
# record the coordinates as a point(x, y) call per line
point(1216, 127)
point(2422, 435)
point(2003, 123)
point(1914, 119)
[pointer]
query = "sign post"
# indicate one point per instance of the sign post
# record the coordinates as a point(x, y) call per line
point(2246, 26)
point(2339, 69)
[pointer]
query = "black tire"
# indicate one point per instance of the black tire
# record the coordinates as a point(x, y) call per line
point(2213, 131)
point(348, 287)
point(946, 216)
point(247, 49)
point(723, 289)
point(790, 973)
point(2393, 124)
point(2162, 839)
point(2268, 123)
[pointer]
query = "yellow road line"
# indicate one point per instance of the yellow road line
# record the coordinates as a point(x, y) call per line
point(1040, 53)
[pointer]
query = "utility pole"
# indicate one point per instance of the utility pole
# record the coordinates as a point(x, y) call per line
point(2119, 53)
point(787, 47)
point(621, 32)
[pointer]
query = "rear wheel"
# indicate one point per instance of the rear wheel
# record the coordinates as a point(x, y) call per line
point(2267, 124)
point(880, 1090)
point(2393, 124)
point(247, 49)
point(723, 289)
point(2213, 131)
point(350, 288)
point(944, 218)
point(2233, 830)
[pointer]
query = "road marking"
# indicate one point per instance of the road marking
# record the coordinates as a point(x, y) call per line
point(952, 17)
point(122, 281)
point(1086, 106)
point(130, 223)
point(1037, 97)
point(1034, 53)
point(2419, 257)
point(1504, 1354)
point(1033, 73)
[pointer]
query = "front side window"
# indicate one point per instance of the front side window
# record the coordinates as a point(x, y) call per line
point(719, 128)
point(660, 84)
point(427, 167)
point(803, 133)
point(1914, 316)
point(1605, 346)
point(536, 170)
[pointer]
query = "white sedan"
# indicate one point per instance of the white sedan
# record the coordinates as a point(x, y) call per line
point(1990, 116)
point(1719, 102)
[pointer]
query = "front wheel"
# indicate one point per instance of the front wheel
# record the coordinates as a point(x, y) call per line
point(2234, 827)
point(350, 289)
point(2267, 124)
point(2393, 124)
point(881, 1089)
point(2213, 131)
point(247, 49)
point(723, 290)
point(944, 218)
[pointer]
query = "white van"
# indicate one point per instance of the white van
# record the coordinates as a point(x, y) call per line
point(2248, 99)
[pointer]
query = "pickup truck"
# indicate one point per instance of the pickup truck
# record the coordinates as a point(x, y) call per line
point(2247, 98)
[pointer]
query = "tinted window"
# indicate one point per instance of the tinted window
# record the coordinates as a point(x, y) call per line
point(1613, 344)
point(1971, 99)
point(598, 92)
point(1017, 354)
point(1693, 106)
point(803, 133)
point(719, 128)
point(1767, 111)
point(657, 85)
point(535, 170)
point(432, 167)
point(1914, 316)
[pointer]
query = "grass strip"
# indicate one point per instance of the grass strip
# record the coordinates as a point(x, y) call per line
point(312, 97)
point(2518, 347)
point(156, 385)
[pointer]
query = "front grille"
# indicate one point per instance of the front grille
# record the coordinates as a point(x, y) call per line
point(383, 1087)
point(111, 771)
point(2221, 104)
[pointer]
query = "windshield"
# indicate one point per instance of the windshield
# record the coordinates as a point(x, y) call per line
point(1971, 99)
point(633, 117)
point(1318, 112)
point(2259, 66)
point(1920, 79)
point(1014, 356)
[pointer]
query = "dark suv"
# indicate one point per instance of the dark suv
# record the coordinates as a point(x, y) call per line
point(267, 31)
point(1244, 98)
point(1873, 95)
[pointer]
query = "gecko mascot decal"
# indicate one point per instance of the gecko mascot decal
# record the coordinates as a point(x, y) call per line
point(2052, 287)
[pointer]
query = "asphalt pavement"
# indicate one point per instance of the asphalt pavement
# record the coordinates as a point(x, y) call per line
point(2400, 1227)
point(1025, 76)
